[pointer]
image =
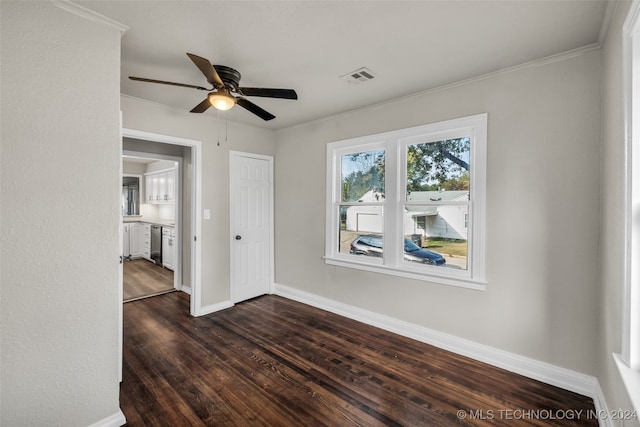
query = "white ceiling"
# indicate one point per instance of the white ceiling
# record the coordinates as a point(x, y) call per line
point(140, 160)
point(411, 46)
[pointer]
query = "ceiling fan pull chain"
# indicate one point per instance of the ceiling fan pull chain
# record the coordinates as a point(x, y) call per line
point(218, 126)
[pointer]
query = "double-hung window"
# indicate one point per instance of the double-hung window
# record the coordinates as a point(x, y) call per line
point(410, 202)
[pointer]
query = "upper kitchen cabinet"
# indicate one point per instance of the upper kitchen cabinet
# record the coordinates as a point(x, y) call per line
point(161, 186)
point(171, 186)
point(151, 187)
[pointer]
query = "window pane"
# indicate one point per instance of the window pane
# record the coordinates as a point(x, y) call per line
point(360, 230)
point(436, 235)
point(438, 166)
point(362, 176)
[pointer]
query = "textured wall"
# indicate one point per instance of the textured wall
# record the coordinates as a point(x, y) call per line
point(542, 213)
point(59, 255)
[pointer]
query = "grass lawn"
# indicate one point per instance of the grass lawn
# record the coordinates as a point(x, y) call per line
point(446, 246)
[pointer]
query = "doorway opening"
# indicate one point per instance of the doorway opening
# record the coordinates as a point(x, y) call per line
point(151, 201)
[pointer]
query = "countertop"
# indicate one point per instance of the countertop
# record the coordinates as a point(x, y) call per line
point(163, 222)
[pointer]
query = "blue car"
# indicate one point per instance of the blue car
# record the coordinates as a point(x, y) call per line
point(371, 245)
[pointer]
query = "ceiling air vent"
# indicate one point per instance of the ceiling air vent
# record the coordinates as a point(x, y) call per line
point(358, 76)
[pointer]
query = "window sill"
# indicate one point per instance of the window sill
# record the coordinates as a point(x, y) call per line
point(468, 283)
point(631, 380)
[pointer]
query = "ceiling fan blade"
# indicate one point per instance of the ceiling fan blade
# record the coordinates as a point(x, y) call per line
point(263, 114)
point(202, 107)
point(268, 93)
point(207, 69)
point(142, 79)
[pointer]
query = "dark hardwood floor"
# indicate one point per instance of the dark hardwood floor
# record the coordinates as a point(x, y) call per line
point(142, 278)
point(275, 362)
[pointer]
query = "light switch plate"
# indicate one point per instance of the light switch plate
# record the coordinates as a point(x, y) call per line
point(207, 214)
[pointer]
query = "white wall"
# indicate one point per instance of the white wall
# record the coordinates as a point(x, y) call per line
point(543, 158)
point(60, 217)
point(156, 118)
point(612, 215)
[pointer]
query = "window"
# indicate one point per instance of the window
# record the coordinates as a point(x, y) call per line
point(410, 202)
point(361, 195)
point(436, 184)
point(628, 361)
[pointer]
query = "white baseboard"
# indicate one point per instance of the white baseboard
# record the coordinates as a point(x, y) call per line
point(567, 379)
point(115, 420)
point(208, 309)
point(185, 289)
point(601, 407)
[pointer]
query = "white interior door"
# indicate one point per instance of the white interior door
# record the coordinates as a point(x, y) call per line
point(251, 225)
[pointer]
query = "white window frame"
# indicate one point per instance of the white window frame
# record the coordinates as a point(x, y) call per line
point(395, 143)
point(628, 361)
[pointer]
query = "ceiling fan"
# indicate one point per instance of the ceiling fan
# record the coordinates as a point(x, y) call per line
point(225, 91)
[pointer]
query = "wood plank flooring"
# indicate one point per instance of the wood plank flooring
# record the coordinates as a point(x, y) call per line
point(142, 278)
point(275, 362)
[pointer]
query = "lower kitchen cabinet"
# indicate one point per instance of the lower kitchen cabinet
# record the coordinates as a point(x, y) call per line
point(134, 240)
point(168, 247)
point(136, 243)
point(137, 240)
point(126, 244)
point(145, 241)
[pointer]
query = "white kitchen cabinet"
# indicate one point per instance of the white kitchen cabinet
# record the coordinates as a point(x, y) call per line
point(161, 190)
point(161, 186)
point(145, 241)
point(135, 231)
point(126, 245)
point(148, 189)
point(152, 188)
point(170, 186)
point(168, 247)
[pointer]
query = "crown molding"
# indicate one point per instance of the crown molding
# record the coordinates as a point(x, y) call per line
point(89, 14)
point(606, 21)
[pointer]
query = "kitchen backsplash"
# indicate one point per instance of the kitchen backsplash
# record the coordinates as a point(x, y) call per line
point(166, 211)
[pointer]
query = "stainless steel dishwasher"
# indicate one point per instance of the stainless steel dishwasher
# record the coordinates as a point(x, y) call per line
point(156, 244)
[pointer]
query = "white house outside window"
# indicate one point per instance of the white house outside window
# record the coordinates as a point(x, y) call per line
point(410, 202)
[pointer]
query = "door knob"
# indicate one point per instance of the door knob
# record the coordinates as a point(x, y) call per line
point(238, 237)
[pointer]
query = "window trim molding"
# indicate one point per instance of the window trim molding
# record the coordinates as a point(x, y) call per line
point(394, 142)
point(631, 299)
point(628, 361)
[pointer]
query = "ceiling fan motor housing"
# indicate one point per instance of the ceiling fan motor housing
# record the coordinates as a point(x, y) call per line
point(229, 76)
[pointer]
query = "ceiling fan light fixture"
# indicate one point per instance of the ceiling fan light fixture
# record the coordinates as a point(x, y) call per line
point(222, 100)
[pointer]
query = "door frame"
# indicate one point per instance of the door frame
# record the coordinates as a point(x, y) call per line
point(232, 219)
point(196, 202)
